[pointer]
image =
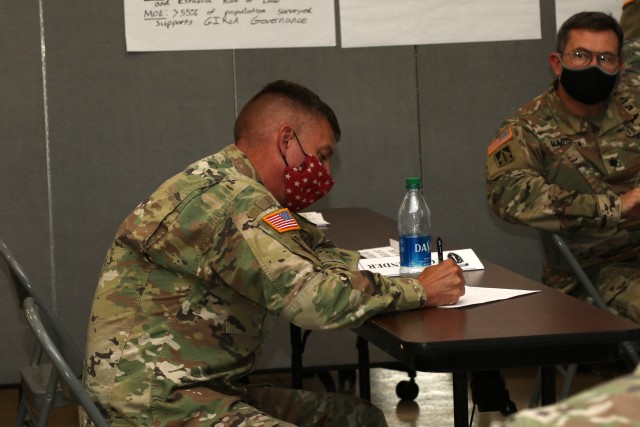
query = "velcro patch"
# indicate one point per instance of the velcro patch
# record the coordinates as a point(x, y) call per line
point(504, 137)
point(504, 157)
point(282, 221)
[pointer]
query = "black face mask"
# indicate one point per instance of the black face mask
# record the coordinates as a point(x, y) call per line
point(588, 85)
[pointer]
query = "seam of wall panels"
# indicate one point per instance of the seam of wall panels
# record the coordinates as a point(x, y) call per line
point(47, 153)
point(235, 83)
point(417, 81)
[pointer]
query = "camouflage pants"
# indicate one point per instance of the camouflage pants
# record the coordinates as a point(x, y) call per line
point(618, 284)
point(262, 406)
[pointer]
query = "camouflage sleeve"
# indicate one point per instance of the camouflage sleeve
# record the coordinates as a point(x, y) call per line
point(412, 293)
point(630, 20)
point(313, 285)
point(517, 191)
point(612, 404)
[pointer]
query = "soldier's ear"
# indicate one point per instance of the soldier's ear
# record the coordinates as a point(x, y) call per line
point(285, 134)
point(555, 63)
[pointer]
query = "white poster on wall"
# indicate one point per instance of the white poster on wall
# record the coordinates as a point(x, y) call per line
point(566, 8)
point(410, 22)
point(153, 25)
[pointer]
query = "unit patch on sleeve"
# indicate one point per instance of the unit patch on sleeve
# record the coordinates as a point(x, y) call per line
point(504, 156)
point(504, 137)
point(282, 221)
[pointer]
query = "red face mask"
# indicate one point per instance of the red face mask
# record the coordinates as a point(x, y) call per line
point(307, 183)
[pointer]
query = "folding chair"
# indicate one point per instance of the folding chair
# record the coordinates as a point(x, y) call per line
point(58, 356)
point(590, 288)
point(598, 301)
point(40, 391)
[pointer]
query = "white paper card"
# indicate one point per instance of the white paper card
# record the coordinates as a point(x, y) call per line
point(470, 260)
point(386, 260)
point(387, 266)
point(316, 218)
point(381, 252)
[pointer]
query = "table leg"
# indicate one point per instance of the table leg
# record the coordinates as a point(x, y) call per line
point(460, 399)
point(548, 385)
point(296, 356)
point(363, 368)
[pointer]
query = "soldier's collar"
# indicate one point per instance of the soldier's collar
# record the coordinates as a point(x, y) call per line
point(241, 162)
point(567, 122)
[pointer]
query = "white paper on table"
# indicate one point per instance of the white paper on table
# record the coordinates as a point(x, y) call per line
point(316, 218)
point(478, 295)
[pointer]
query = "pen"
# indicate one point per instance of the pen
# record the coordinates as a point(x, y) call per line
point(440, 254)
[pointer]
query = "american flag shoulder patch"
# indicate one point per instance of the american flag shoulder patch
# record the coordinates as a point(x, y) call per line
point(282, 221)
point(504, 137)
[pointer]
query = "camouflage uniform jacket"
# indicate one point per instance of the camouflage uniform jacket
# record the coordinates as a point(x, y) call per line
point(552, 170)
point(195, 278)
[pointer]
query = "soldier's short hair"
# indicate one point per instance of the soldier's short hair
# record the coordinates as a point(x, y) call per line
point(593, 21)
point(301, 96)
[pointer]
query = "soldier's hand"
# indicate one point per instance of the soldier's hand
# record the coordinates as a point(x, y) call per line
point(630, 203)
point(443, 283)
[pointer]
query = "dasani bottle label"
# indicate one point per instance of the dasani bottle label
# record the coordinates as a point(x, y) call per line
point(415, 251)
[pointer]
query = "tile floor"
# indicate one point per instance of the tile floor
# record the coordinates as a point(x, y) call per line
point(432, 408)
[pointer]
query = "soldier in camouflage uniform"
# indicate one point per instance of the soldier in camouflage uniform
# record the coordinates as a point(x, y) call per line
point(612, 404)
point(568, 162)
point(198, 273)
point(575, 175)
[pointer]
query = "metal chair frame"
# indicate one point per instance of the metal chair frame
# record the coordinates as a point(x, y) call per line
point(40, 390)
point(588, 286)
point(62, 370)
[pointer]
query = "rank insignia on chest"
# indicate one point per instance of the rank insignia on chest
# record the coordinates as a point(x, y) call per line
point(504, 137)
point(632, 130)
point(282, 221)
point(504, 156)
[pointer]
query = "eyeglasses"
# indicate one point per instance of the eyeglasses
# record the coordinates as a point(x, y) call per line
point(582, 58)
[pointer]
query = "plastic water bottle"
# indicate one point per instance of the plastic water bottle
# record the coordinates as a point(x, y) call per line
point(414, 228)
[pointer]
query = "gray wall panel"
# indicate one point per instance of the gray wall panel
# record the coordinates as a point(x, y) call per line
point(121, 124)
point(24, 215)
point(467, 91)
